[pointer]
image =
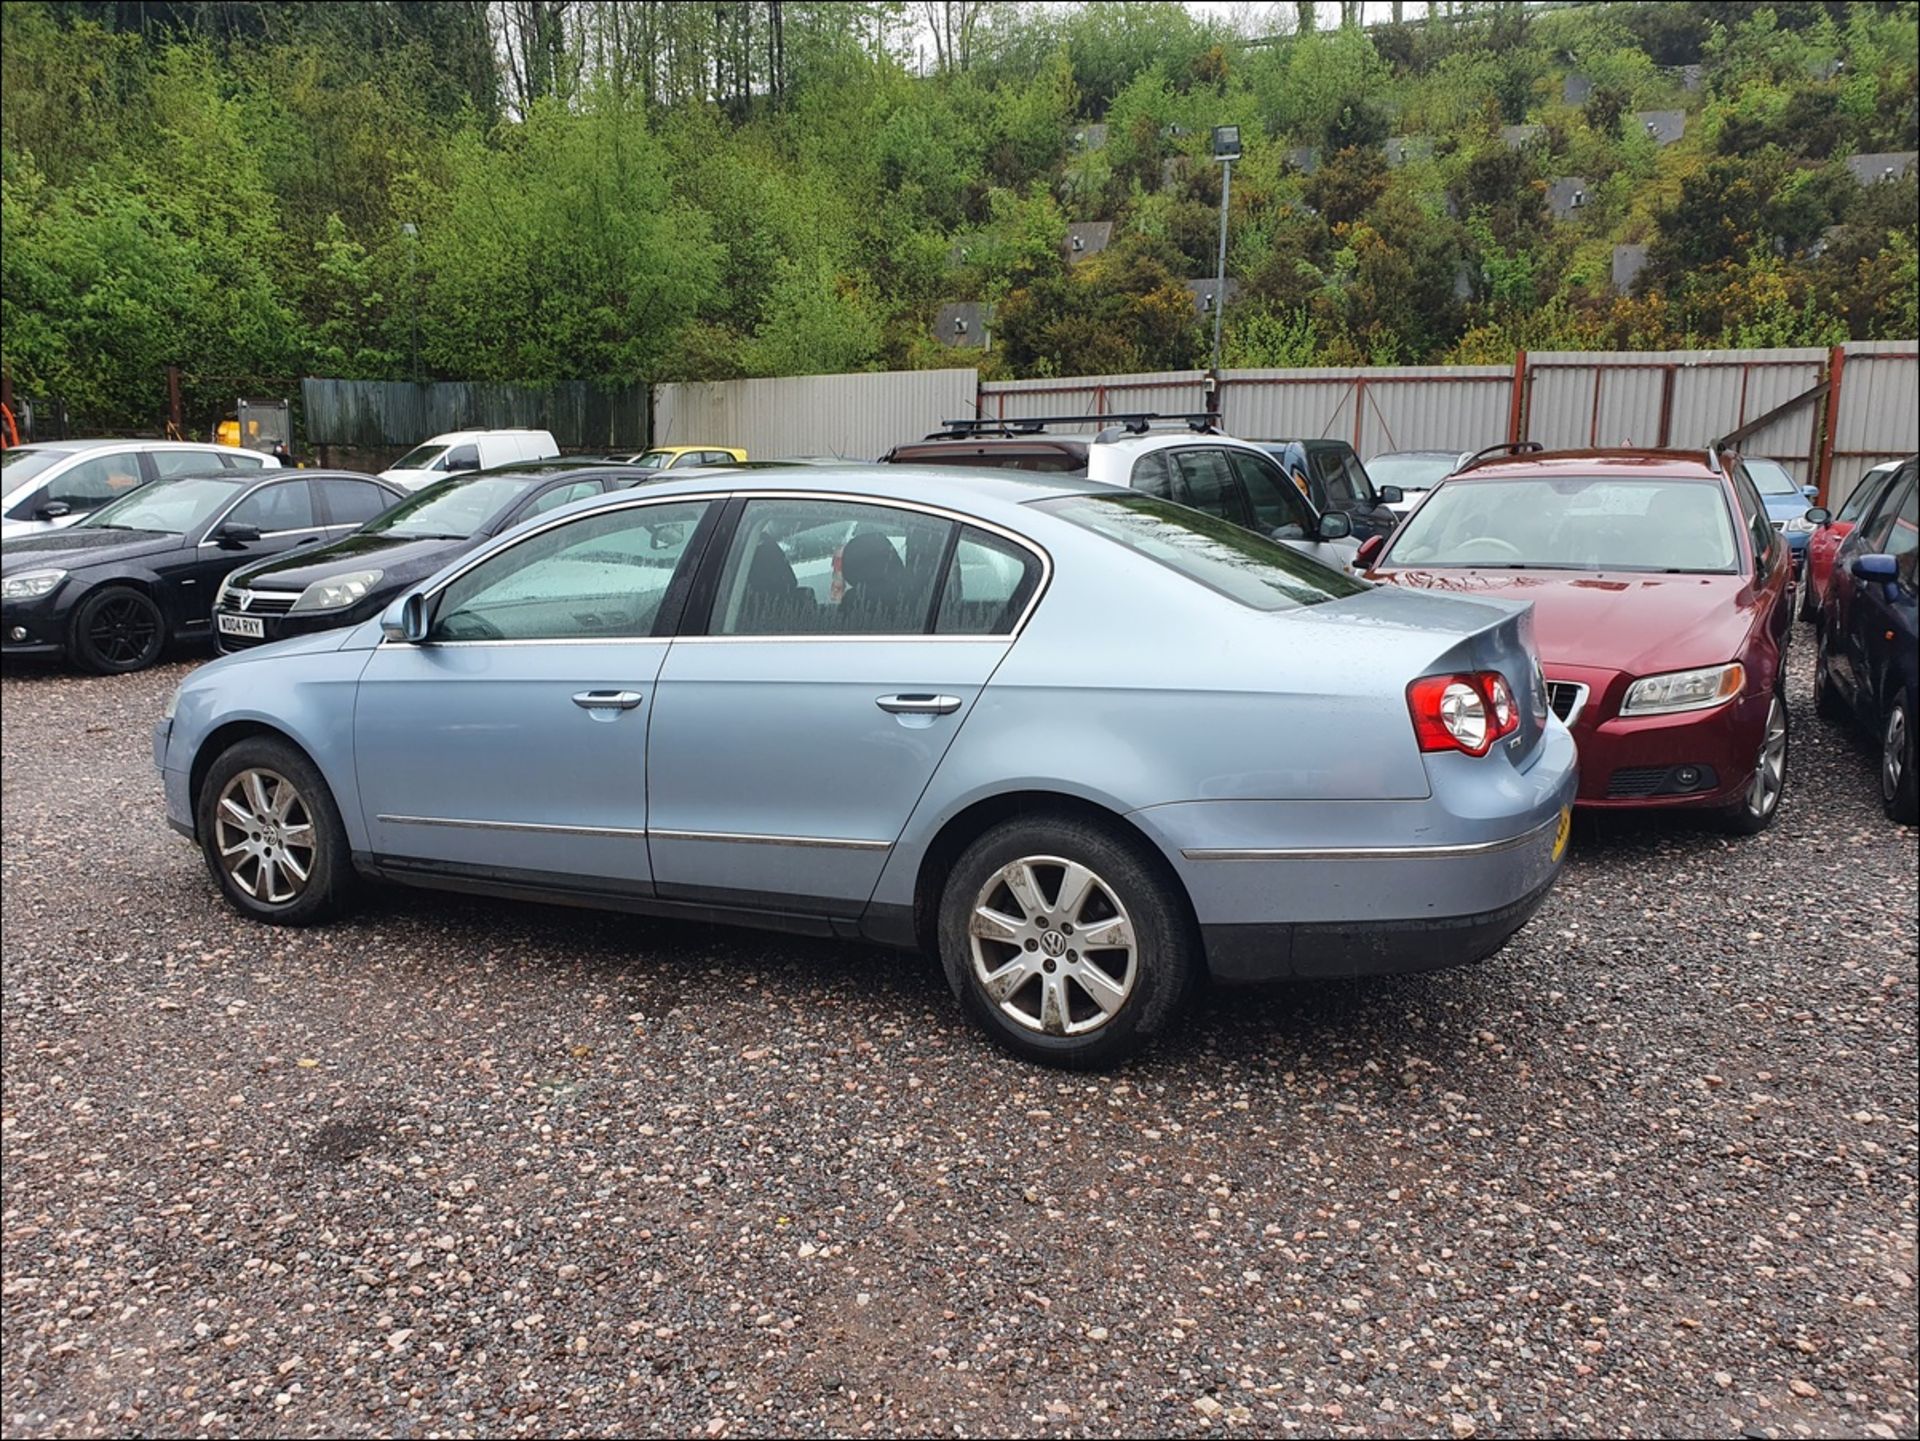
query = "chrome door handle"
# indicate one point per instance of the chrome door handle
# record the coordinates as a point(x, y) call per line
point(918, 704)
point(616, 699)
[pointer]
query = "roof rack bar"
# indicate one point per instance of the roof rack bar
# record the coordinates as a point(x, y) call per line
point(1132, 422)
point(1713, 457)
point(1491, 452)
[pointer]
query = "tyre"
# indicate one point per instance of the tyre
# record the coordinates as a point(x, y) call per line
point(272, 835)
point(1760, 803)
point(1826, 700)
point(1066, 942)
point(1898, 773)
point(1807, 608)
point(116, 630)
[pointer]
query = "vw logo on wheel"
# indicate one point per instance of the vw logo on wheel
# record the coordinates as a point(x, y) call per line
point(1053, 943)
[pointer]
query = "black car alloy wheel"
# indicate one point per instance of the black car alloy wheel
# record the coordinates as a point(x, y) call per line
point(116, 630)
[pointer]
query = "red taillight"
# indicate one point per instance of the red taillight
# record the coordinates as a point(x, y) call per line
point(1466, 712)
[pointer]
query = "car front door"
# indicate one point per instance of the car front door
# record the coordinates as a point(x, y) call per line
point(285, 516)
point(1870, 621)
point(514, 738)
point(844, 645)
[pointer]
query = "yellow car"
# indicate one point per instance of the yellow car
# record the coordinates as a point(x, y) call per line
point(678, 457)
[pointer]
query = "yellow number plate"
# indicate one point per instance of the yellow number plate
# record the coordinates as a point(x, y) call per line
point(1566, 829)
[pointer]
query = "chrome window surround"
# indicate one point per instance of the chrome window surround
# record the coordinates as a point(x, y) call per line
point(720, 497)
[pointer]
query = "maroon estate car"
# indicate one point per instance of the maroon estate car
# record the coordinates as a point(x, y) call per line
point(1662, 606)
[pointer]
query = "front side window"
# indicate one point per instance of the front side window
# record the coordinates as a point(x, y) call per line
point(1883, 530)
point(1206, 483)
point(23, 463)
point(601, 577)
point(1236, 562)
point(172, 507)
point(830, 567)
point(989, 582)
point(1570, 523)
point(562, 495)
point(1340, 474)
point(1759, 525)
point(656, 459)
point(461, 457)
point(1278, 507)
point(1861, 496)
point(287, 505)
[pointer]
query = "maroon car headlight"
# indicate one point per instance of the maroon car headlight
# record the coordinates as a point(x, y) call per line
point(1685, 690)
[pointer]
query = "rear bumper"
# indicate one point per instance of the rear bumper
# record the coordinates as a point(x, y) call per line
point(1241, 954)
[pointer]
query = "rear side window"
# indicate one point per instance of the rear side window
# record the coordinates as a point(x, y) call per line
point(563, 494)
point(243, 460)
point(989, 583)
point(1279, 509)
point(1151, 476)
point(185, 462)
point(830, 567)
point(1206, 483)
point(1224, 557)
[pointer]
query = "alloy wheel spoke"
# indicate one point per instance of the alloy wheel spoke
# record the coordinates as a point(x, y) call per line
point(257, 795)
point(1053, 1004)
point(239, 812)
point(991, 925)
point(1025, 887)
point(251, 887)
point(1113, 934)
point(293, 868)
point(1101, 988)
point(1077, 883)
point(1011, 977)
point(300, 834)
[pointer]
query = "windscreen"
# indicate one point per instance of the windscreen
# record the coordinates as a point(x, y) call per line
point(21, 464)
point(1770, 477)
point(421, 457)
point(655, 459)
point(1236, 562)
point(172, 506)
point(1570, 523)
point(1411, 472)
point(451, 509)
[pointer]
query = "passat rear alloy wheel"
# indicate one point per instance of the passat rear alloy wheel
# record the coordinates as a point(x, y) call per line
point(1068, 943)
point(271, 833)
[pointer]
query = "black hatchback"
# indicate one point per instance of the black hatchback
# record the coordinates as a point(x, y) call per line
point(352, 579)
point(111, 591)
point(1332, 477)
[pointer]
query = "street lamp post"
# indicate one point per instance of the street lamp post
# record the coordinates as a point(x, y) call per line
point(412, 232)
point(1226, 150)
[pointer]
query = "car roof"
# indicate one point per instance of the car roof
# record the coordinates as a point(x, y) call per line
point(124, 442)
point(547, 468)
point(961, 487)
point(1623, 461)
point(1436, 454)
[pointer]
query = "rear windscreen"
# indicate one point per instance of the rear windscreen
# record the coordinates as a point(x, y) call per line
point(1239, 563)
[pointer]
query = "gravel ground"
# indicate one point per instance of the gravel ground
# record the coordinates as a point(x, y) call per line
point(483, 1168)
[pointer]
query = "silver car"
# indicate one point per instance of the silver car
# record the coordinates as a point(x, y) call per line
point(1085, 744)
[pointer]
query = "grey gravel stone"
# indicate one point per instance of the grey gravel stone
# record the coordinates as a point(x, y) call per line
point(460, 1167)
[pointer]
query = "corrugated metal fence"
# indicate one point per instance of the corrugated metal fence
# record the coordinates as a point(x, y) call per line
point(1826, 414)
point(855, 416)
point(381, 414)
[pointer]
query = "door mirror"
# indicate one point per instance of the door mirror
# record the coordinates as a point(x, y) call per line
point(1883, 568)
point(53, 510)
point(1389, 494)
point(1811, 492)
point(1370, 549)
point(1336, 525)
point(1819, 515)
point(232, 537)
point(405, 621)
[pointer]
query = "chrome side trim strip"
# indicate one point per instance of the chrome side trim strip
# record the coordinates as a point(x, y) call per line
point(630, 832)
point(741, 838)
point(1374, 853)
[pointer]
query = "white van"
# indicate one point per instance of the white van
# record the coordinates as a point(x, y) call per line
point(459, 450)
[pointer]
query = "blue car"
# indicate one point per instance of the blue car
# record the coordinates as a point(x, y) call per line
point(1085, 744)
point(1786, 500)
point(1868, 662)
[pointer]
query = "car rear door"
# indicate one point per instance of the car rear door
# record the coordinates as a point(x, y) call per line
point(838, 647)
point(1871, 627)
point(512, 742)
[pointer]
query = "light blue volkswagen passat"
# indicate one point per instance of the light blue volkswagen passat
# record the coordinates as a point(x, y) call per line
point(1083, 743)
